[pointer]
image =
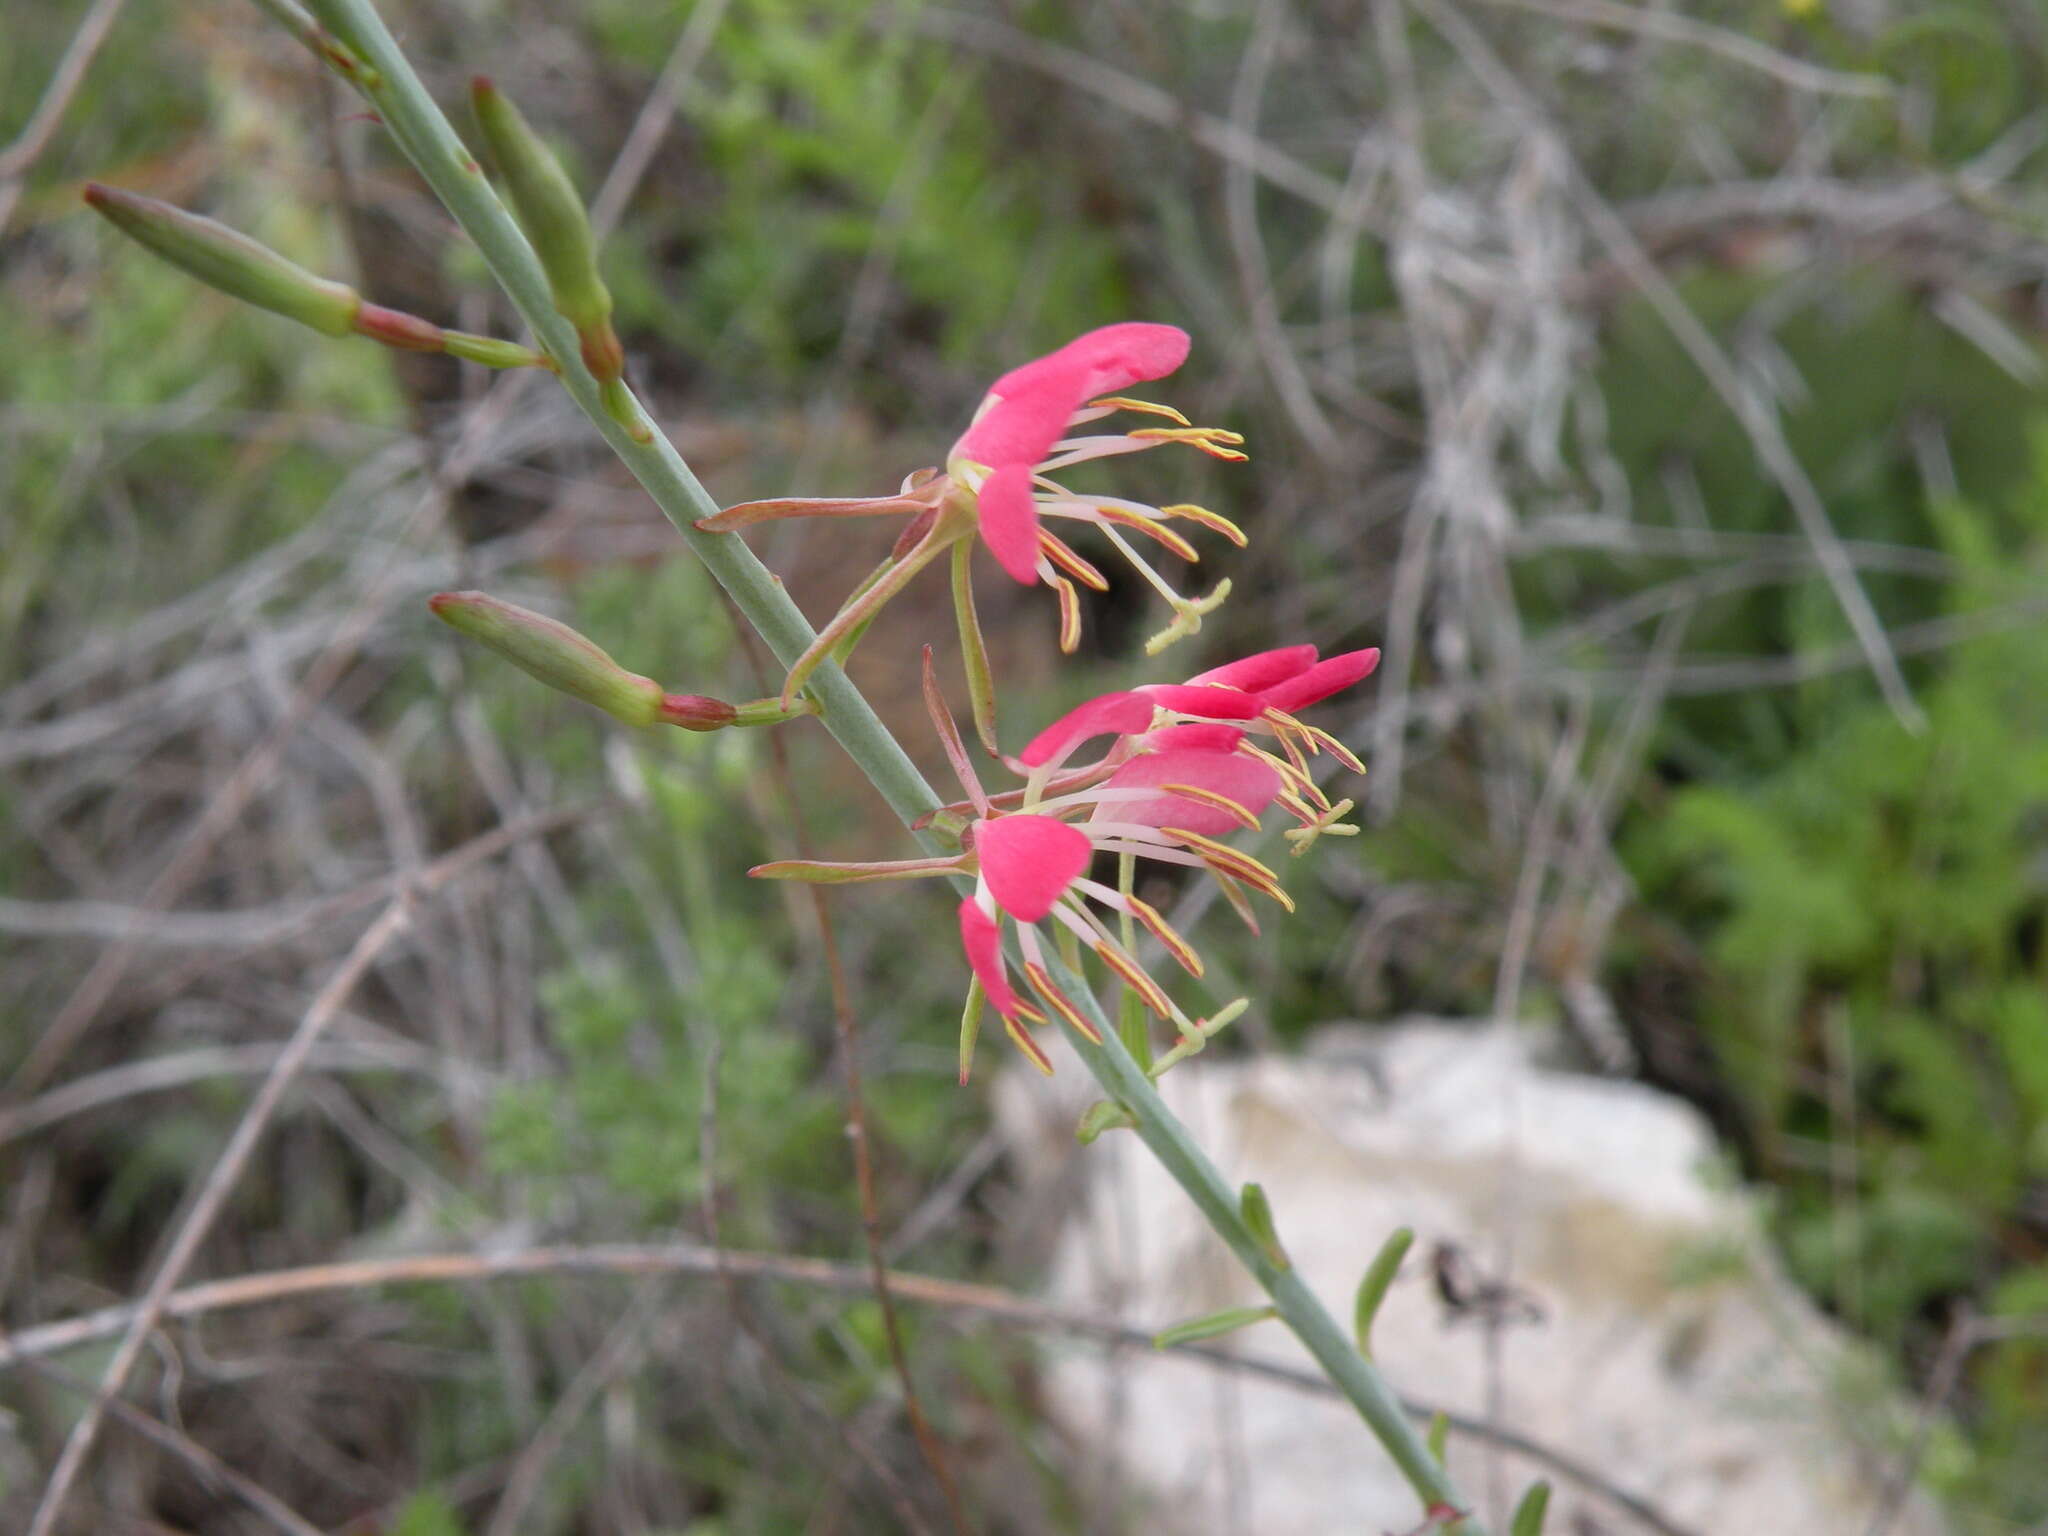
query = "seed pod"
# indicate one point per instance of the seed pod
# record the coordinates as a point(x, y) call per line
point(229, 260)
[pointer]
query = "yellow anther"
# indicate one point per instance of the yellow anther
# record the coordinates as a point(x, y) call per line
point(1143, 407)
point(1215, 522)
point(1070, 615)
point(1164, 932)
point(1135, 978)
point(1214, 441)
point(1241, 814)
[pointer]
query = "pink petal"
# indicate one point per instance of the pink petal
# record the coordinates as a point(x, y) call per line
point(1251, 783)
point(1009, 521)
point(1028, 861)
point(983, 942)
point(1109, 359)
point(1331, 675)
point(1253, 673)
point(1210, 703)
point(1119, 714)
point(1198, 738)
point(1020, 424)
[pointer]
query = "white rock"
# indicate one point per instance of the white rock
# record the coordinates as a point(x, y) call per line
point(1671, 1356)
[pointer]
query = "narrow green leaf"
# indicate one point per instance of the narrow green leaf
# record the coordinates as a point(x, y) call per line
point(1439, 1436)
point(1372, 1289)
point(1257, 1211)
point(1529, 1513)
point(1216, 1323)
point(970, 1026)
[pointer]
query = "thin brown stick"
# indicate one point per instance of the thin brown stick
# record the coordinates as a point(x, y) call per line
point(1670, 27)
point(234, 1158)
point(1536, 861)
point(657, 112)
point(844, 1028)
point(198, 1224)
point(851, 1439)
point(1758, 420)
point(255, 770)
point(627, 1259)
point(209, 1467)
point(19, 157)
point(611, 1360)
point(847, 1033)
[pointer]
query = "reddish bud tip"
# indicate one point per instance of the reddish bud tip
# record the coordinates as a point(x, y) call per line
point(696, 712)
point(395, 328)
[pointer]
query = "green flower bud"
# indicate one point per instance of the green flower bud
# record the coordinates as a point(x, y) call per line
point(229, 260)
point(553, 652)
point(551, 213)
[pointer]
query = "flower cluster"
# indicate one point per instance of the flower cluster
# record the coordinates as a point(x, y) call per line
point(1178, 768)
point(1185, 767)
point(1186, 764)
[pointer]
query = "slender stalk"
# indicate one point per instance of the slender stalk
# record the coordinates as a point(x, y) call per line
point(431, 144)
point(427, 139)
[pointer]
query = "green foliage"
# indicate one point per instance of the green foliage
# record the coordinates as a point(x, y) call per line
point(426, 1513)
point(1873, 909)
point(834, 140)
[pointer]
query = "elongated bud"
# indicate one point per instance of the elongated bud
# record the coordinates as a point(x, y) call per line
point(548, 209)
point(229, 260)
point(240, 267)
point(544, 201)
point(556, 654)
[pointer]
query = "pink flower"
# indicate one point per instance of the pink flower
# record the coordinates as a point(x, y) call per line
point(1030, 852)
point(997, 484)
point(1194, 742)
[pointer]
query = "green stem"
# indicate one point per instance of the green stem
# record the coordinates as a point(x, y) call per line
point(431, 144)
point(428, 140)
